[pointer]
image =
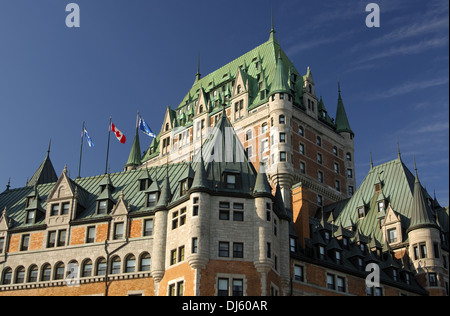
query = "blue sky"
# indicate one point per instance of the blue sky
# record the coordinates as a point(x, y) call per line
point(142, 55)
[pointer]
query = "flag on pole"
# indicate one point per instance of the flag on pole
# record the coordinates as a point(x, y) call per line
point(88, 138)
point(143, 126)
point(119, 135)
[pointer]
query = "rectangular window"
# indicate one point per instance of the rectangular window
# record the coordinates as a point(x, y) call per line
point(392, 235)
point(231, 181)
point(299, 273)
point(54, 210)
point(65, 208)
point(416, 252)
point(320, 176)
point(173, 257)
point(90, 235)
point(2, 244)
point(238, 287)
point(25, 242)
point(319, 158)
point(102, 206)
point(194, 248)
point(283, 156)
point(423, 250)
point(302, 167)
point(224, 249)
point(51, 239)
point(301, 148)
point(330, 282)
point(338, 186)
point(118, 230)
point(282, 137)
point(181, 254)
point(432, 279)
point(30, 217)
point(336, 168)
point(238, 250)
point(340, 284)
point(349, 173)
point(222, 289)
point(62, 238)
point(151, 200)
point(269, 250)
point(436, 250)
point(148, 227)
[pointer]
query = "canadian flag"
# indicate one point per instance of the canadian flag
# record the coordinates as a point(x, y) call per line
point(120, 136)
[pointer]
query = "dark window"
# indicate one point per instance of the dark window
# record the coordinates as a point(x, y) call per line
point(148, 227)
point(224, 249)
point(65, 208)
point(238, 250)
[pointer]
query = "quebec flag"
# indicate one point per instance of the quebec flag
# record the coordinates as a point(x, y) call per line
point(143, 126)
point(88, 138)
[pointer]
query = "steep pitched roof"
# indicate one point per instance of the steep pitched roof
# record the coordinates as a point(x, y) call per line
point(398, 185)
point(45, 173)
point(342, 124)
point(134, 159)
point(421, 213)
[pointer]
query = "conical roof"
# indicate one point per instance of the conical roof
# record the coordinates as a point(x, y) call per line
point(280, 82)
point(342, 124)
point(262, 186)
point(134, 159)
point(45, 173)
point(420, 215)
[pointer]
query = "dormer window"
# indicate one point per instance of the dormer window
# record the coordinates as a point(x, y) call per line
point(381, 206)
point(392, 235)
point(184, 187)
point(230, 181)
point(151, 199)
point(31, 215)
point(102, 207)
point(361, 212)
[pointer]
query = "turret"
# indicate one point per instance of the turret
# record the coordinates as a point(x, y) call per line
point(159, 243)
point(424, 241)
point(199, 234)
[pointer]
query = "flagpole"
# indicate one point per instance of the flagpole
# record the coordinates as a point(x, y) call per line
point(107, 149)
point(81, 152)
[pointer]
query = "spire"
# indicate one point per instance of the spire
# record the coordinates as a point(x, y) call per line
point(198, 75)
point(398, 150)
point(371, 161)
point(45, 173)
point(272, 29)
point(262, 186)
point(420, 213)
point(342, 124)
point(134, 159)
point(200, 180)
point(164, 198)
point(280, 82)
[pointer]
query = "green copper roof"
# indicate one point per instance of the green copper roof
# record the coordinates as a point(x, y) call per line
point(342, 124)
point(134, 159)
point(421, 213)
point(45, 173)
point(280, 81)
point(262, 186)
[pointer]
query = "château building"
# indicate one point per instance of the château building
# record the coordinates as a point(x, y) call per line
point(248, 189)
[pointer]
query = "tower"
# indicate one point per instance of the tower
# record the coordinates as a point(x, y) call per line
point(425, 243)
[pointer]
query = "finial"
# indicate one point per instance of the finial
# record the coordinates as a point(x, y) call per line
point(198, 75)
point(9, 185)
point(272, 30)
point(398, 149)
point(339, 87)
point(49, 146)
point(65, 169)
point(371, 160)
point(415, 167)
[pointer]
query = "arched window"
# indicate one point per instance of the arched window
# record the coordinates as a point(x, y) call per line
point(20, 275)
point(130, 264)
point(101, 266)
point(238, 89)
point(145, 262)
point(115, 265)
point(86, 268)
point(7, 276)
point(33, 274)
point(200, 109)
point(59, 271)
point(46, 272)
point(264, 128)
